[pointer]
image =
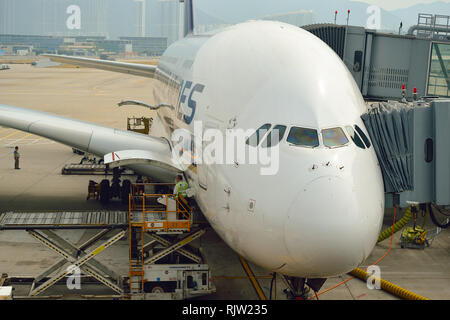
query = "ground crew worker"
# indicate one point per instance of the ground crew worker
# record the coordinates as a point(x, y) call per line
point(180, 187)
point(16, 158)
point(180, 193)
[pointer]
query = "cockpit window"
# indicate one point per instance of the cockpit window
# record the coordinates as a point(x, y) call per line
point(258, 135)
point(355, 137)
point(274, 137)
point(334, 138)
point(303, 137)
point(363, 136)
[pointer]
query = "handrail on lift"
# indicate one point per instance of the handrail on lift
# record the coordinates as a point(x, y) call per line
point(165, 219)
point(155, 218)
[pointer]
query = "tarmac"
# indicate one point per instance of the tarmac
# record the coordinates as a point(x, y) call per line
point(92, 95)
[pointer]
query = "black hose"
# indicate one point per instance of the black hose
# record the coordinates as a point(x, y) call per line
point(435, 220)
point(271, 285)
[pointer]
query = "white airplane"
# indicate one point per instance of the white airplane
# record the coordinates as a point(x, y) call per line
point(321, 214)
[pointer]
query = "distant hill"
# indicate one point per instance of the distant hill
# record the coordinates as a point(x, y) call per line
point(234, 11)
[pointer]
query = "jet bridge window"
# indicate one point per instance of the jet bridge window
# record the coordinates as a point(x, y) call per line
point(303, 137)
point(274, 137)
point(256, 138)
point(355, 137)
point(334, 138)
point(439, 74)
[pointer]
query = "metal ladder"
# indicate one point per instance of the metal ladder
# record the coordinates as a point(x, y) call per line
point(136, 258)
point(146, 218)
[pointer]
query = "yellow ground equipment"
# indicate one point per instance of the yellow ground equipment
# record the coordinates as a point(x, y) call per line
point(414, 238)
point(139, 125)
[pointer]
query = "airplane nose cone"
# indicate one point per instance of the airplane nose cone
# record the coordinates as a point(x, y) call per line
point(326, 231)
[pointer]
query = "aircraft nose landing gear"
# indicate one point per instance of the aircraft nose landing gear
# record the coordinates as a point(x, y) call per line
point(302, 289)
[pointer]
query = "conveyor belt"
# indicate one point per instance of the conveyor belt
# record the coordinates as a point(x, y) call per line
point(63, 220)
point(90, 169)
point(87, 169)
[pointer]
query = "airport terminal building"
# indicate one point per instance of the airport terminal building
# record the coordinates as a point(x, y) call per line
point(54, 17)
point(111, 19)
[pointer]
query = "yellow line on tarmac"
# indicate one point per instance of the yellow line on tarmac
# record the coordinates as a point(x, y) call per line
point(23, 138)
point(252, 279)
point(11, 134)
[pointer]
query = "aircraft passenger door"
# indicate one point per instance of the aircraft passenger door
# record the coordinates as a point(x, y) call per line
point(203, 169)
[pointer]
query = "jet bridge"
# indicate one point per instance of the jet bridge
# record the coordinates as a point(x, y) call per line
point(381, 63)
point(412, 142)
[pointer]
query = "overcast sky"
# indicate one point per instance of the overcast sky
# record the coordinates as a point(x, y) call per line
point(397, 4)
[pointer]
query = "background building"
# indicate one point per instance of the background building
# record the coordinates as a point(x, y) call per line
point(50, 17)
point(163, 19)
point(109, 18)
point(151, 46)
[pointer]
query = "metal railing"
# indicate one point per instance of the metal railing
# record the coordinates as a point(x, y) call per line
point(431, 26)
point(158, 211)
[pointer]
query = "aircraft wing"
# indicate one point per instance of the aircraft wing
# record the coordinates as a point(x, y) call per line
point(151, 156)
point(142, 70)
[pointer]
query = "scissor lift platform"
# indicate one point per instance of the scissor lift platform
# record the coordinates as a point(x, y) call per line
point(40, 226)
point(163, 219)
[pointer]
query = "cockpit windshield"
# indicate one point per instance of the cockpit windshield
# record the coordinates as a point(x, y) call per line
point(363, 136)
point(303, 137)
point(334, 138)
point(355, 137)
point(271, 135)
point(258, 135)
point(274, 137)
